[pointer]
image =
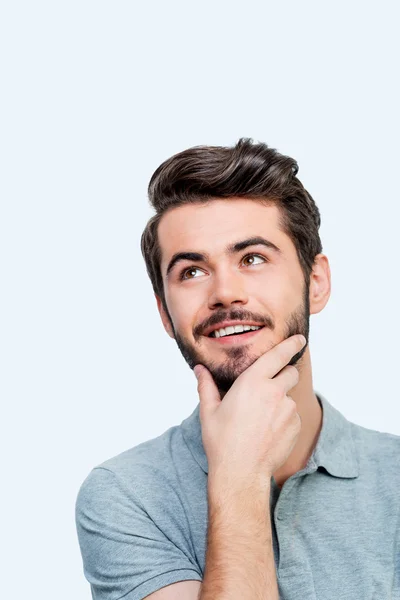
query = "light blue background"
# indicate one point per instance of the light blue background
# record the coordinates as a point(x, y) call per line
point(95, 95)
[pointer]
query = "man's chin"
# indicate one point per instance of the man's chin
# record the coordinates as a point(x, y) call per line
point(225, 376)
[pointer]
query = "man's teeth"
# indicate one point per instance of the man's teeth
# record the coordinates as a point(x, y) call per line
point(231, 330)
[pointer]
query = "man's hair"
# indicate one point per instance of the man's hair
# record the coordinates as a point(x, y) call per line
point(247, 170)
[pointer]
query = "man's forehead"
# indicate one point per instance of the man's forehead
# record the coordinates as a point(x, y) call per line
point(202, 227)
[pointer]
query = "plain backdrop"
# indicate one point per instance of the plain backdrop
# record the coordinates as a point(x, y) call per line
point(95, 95)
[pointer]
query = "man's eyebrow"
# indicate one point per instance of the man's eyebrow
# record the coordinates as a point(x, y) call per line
point(230, 249)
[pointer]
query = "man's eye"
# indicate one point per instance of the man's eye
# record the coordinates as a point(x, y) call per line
point(254, 256)
point(191, 269)
point(183, 274)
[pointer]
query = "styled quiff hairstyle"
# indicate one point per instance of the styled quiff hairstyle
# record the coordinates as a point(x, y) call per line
point(247, 170)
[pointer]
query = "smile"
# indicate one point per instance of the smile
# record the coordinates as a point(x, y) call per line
point(230, 335)
point(233, 330)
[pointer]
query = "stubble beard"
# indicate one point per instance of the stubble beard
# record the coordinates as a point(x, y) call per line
point(239, 358)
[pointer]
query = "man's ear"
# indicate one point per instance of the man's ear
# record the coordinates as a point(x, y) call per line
point(320, 284)
point(164, 317)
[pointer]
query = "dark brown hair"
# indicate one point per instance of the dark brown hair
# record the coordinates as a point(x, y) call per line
point(246, 170)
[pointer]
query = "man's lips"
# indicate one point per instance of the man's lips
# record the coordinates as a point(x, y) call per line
point(224, 324)
point(235, 339)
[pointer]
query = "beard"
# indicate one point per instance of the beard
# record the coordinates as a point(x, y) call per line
point(239, 358)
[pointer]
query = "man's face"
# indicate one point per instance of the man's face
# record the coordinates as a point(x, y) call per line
point(256, 284)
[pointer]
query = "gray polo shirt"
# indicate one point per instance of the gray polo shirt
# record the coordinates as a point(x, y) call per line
point(142, 516)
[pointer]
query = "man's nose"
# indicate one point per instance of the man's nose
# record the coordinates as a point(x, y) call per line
point(227, 288)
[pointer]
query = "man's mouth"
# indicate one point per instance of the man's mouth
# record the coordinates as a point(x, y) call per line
point(233, 330)
point(235, 333)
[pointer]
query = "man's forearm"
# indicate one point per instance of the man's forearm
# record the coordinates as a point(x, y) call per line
point(240, 561)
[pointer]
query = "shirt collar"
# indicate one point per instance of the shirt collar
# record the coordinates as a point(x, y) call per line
point(335, 450)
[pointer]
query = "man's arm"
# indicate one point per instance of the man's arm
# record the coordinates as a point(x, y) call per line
point(247, 436)
point(240, 561)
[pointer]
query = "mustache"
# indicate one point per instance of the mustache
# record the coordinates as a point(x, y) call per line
point(233, 315)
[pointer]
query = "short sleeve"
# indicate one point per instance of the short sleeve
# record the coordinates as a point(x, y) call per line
point(125, 554)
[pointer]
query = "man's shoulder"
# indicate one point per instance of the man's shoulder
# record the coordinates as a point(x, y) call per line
point(131, 522)
point(147, 459)
point(378, 451)
point(375, 439)
point(153, 451)
point(150, 465)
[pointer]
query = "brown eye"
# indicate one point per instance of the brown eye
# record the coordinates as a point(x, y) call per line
point(185, 271)
point(254, 256)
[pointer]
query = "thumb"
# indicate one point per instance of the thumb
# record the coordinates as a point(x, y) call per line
point(208, 392)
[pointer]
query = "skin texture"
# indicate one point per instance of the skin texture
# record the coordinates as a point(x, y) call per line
point(244, 287)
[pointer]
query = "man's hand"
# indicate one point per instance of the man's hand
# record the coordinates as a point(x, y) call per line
point(249, 434)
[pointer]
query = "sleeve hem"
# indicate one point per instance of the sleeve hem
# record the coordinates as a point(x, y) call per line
point(160, 581)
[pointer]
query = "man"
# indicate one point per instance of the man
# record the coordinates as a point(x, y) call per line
point(265, 490)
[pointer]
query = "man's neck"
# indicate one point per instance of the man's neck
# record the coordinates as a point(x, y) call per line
point(310, 412)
